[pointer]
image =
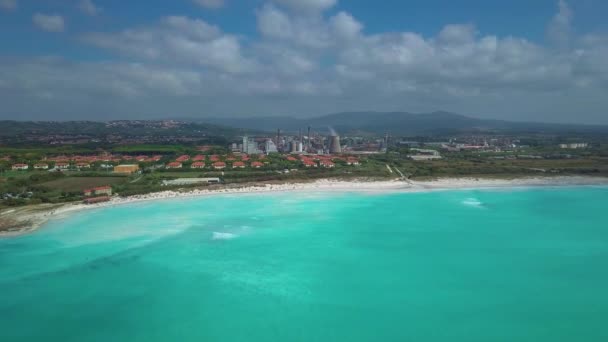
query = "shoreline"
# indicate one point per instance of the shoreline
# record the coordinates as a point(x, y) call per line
point(23, 220)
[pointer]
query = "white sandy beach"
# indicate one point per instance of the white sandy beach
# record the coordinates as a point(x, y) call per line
point(31, 220)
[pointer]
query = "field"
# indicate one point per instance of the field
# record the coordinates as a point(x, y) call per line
point(80, 183)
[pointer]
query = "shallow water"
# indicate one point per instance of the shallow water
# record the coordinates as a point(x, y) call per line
point(491, 265)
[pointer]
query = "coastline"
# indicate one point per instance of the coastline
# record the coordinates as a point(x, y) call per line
point(24, 220)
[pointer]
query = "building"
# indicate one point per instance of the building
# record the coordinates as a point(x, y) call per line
point(62, 166)
point(182, 158)
point(309, 163)
point(270, 147)
point(327, 164)
point(293, 146)
point(20, 167)
point(198, 165)
point(98, 191)
point(41, 166)
point(238, 164)
point(198, 158)
point(126, 168)
point(219, 165)
point(174, 165)
point(574, 145)
point(249, 146)
point(256, 164)
point(83, 165)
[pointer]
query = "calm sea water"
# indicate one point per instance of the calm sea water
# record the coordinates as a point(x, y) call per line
point(485, 265)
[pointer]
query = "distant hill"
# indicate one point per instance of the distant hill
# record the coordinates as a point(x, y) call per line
point(401, 123)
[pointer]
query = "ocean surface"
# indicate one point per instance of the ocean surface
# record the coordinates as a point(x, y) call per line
point(467, 265)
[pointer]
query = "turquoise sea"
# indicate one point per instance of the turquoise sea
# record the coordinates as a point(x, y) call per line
point(467, 265)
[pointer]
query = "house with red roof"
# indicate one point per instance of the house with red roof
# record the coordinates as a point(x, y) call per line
point(198, 158)
point(41, 166)
point(83, 165)
point(182, 158)
point(198, 165)
point(219, 165)
point(62, 166)
point(327, 163)
point(309, 163)
point(214, 158)
point(20, 167)
point(174, 165)
point(256, 164)
point(292, 158)
point(238, 164)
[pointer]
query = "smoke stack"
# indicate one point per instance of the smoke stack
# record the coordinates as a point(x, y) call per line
point(334, 144)
point(308, 147)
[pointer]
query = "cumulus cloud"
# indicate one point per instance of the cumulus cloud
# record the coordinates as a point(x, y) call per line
point(306, 62)
point(8, 5)
point(50, 23)
point(307, 5)
point(89, 8)
point(213, 4)
point(177, 39)
point(559, 30)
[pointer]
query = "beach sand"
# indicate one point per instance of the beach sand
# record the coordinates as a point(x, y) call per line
point(23, 220)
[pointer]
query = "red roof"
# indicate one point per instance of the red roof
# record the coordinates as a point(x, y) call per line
point(19, 165)
point(257, 164)
point(216, 164)
point(238, 164)
point(174, 164)
point(198, 164)
point(198, 157)
point(183, 158)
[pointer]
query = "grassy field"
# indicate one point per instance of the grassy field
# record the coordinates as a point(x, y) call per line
point(81, 183)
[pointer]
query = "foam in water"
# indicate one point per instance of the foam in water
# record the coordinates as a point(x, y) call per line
point(473, 202)
point(223, 236)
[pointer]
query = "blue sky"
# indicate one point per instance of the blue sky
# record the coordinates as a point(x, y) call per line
point(542, 60)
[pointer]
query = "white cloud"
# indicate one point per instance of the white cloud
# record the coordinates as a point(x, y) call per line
point(311, 63)
point(50, 23)
point(213, 4)
point(559, 30)
point(179, 40)
point(306, 31)
point(89, 8)
point(8, 5)
point(307, 5)
point(345, 26)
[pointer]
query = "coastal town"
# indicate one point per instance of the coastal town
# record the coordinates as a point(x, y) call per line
point(97, 170)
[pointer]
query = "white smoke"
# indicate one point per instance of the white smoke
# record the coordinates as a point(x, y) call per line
point(332, 131)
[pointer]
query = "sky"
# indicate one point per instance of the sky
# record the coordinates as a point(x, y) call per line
point(519, 60)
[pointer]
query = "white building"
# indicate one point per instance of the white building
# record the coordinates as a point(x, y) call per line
point(249, 146)
point(270, 147)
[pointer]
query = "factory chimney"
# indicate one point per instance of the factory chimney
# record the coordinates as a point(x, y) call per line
point(334, 142)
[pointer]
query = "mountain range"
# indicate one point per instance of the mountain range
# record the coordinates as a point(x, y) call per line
point(400, 123)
